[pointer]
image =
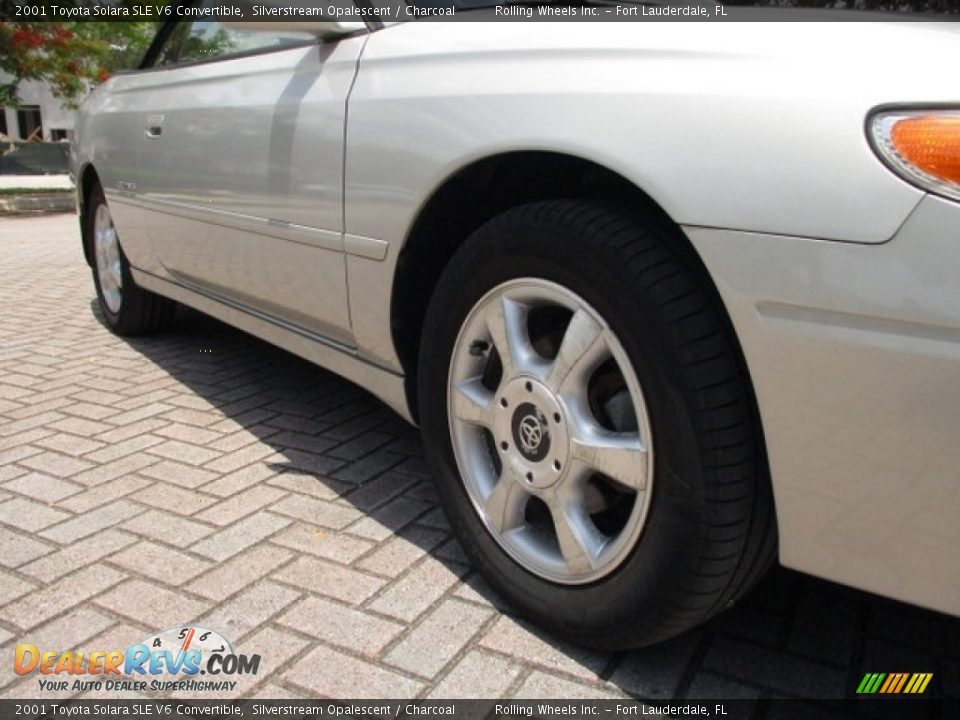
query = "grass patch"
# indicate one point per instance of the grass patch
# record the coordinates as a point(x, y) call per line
point(34, 191)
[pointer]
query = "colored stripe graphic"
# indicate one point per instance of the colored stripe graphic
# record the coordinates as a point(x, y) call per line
point(903, 679)
point(894, 683)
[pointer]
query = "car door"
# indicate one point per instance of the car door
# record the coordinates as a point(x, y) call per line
point(241, 170)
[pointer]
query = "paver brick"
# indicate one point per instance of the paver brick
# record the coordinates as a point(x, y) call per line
point(197, 418)
point(242, 438)
point(316, 511)
point(40, 486)
point(397, 554)
point(290, 439)
point(388, 519)
point(317, 486)
point(114, 451)
point(24, 438)
point(29, 515)
point(54, 565)
point(241, 571)
point(140, 412)
point(152, 605)
point(235, 482)
point(337, 624)
point(131, 429)
point(82, 526)
point(9, 472)
point(69, 444)
point(159, 563)
point(323, 543)
point(275, 646)
point(240, 505)
point(708, 686)
point(305, 462)
point(184, 452)
point(329, 579)
point(773, 669)
point(170, 529)
point(368, 467)
point(438, 638)
point(187, 476)
point(250, 609)
point(479, 675)
point(242, 534)
point(79, 426)
point(329, 673)
point(59, 596)
point(42, 420)
point(414, 592)
point(515, 639)
point(12, 587)
point(56, 464)
point(94, 497)
point(188, 434)
point(113, 469)
point(88, 410)
point(18, 549)
point(18, 452)
point(170, 497)
point(239, 458)
point(379, 490)
point(656, 672)
point(541, 686)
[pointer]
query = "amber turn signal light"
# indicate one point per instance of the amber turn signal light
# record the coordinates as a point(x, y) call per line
point(923, 147)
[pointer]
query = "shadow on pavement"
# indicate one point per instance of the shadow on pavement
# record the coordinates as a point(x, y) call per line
point(792, 636)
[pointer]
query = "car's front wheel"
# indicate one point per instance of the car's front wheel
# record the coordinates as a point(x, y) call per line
point(126, 308)
point(591, 428)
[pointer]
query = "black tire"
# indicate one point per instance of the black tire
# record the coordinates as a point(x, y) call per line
point(710, 530)
point(141, 311)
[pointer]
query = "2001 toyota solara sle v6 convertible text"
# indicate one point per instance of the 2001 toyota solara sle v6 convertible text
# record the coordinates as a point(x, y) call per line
point(668, 301)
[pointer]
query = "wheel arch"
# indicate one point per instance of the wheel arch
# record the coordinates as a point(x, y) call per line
point(87, 177)
point(486, 187)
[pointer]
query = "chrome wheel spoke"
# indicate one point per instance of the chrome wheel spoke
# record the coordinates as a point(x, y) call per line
point(507, 325)
point(505, 505)
point(579, 540)
point(473, 403)
point(116, 274)
point(582, 348)
point(619, 456)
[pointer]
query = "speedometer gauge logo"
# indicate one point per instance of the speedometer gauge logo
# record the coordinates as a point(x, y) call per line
point(194, 638)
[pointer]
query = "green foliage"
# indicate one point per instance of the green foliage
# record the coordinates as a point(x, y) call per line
point(69, 56)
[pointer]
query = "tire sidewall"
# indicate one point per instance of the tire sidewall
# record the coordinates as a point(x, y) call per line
point(668, 545)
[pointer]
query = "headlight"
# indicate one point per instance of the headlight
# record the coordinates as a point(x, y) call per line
point(921, 145)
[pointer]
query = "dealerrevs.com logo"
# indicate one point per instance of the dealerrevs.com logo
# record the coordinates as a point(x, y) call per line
point(182, 653)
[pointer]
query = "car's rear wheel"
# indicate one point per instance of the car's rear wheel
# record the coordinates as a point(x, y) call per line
point(591, 427)
point(127, 308)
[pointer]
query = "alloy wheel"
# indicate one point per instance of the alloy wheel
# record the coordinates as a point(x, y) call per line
point(550, 431)
point(108, 259)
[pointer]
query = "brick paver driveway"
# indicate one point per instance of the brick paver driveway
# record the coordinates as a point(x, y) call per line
point(204, 476)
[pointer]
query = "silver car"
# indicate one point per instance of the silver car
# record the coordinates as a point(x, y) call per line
point(668, 301)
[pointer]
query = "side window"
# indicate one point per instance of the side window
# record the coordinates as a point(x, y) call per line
point(208, 40)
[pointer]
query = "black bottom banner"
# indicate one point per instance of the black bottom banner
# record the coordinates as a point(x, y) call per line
point(782, 709)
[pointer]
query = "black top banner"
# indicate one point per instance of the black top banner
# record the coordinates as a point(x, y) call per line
point(381, 11)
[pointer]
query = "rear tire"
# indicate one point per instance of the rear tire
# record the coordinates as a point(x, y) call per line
point(707, 530)
point(127, 308)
